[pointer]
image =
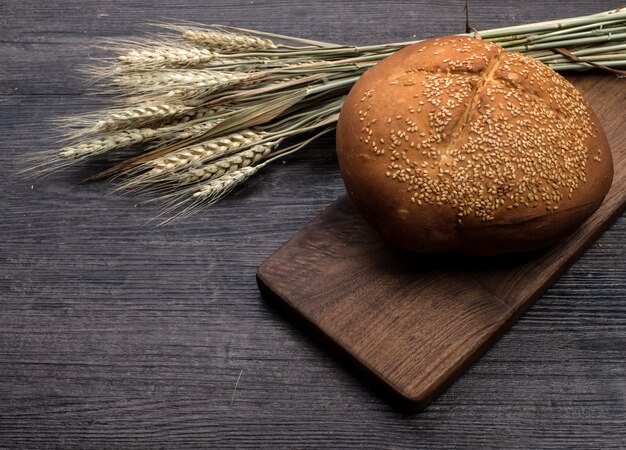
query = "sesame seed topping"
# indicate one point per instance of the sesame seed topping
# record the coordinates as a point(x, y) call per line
point(494, 131)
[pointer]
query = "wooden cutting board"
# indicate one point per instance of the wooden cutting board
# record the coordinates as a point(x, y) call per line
point(413, 323)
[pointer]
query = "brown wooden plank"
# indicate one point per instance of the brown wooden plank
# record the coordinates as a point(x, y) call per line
point(414, 323)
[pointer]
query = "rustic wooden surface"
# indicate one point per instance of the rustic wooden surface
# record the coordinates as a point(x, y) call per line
point(411, 324)
point(116, 334)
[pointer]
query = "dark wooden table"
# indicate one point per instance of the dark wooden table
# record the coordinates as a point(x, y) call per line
point(118, 334)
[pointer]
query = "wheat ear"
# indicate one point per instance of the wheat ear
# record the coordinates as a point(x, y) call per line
point(163, 79)
point(132, 136)
point(173, 86)
point(205, 151)
point(218, 187)
point(179, 133)
point(226, 42)
point(133, 117)
point(226, 165)
point(149, 116)
point(108, 142)
point(201, 112)
point(168, 170)
point(49, 161)
point(164, 56)
point(208, 193)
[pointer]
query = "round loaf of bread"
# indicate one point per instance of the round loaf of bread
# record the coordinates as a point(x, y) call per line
point(455, 144)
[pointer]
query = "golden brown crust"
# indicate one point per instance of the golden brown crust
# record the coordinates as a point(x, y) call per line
point(453, 143)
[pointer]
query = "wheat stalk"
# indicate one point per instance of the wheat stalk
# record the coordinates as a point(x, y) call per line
point(173, 133)
point(50, 161)
point(172, 180)
point(217, 187)
point(168, 77)
point(207, 193)
point(225, 165)
point(165, 56)
point(204, 151)
point(181, 84)
point(192, 115)
point(223, 42)
point(133, 117)
point(111, 141)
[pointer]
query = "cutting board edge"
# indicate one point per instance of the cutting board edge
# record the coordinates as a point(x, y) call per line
point(395, 396)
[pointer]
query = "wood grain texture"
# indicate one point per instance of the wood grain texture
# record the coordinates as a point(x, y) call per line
point(114, 334)
point(414, 323)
